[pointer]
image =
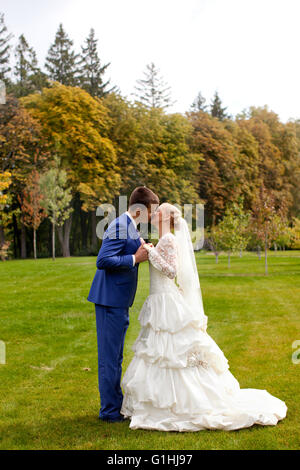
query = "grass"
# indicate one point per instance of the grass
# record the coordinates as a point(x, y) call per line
point(48, 386)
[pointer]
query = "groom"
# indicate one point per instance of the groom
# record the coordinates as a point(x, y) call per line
point(113, 291)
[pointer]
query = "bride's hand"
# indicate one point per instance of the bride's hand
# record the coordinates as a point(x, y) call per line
point(148, 246)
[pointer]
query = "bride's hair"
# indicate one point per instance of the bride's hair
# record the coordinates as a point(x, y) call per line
point(171, 213)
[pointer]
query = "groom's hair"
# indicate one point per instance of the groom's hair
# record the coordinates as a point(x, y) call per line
point(144, 196)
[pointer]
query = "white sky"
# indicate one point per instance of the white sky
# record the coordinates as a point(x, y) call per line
point(248, 50)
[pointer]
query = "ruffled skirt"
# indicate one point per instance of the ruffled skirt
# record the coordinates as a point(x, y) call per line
point(179, 379)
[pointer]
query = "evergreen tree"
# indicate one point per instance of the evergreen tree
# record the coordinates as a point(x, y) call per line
point(91, 70)
point(29, 76)
point(216, 109)
point(153, 91)
point(61, 61)
point(4, 50)
point(199, 103)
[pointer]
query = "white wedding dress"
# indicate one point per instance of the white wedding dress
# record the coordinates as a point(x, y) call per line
point(179, 379)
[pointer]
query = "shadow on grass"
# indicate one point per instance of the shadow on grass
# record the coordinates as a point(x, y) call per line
point(89, 432)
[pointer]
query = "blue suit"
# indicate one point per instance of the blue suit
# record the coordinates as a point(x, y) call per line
point(113, 290)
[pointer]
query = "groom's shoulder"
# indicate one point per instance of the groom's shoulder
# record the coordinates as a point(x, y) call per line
point(117, 228)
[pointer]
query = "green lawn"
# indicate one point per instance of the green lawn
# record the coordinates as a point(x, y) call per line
point(48, 387)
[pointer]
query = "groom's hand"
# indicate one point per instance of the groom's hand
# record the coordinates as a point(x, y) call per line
point(141, 254)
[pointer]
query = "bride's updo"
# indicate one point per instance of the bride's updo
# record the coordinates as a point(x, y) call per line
point(170, 214)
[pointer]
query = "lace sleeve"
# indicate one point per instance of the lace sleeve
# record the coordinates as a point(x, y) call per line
point(164, 256)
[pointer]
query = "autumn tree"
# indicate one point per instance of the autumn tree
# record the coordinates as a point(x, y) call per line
point(5, 182)
point(247, 161)
point(284, 237)
point(152, 91)
point(31, 205)
point(218, 176)
point(295, 233)
point(267, 219)
point(76, 126)
point(270, 164)
point(20, 139)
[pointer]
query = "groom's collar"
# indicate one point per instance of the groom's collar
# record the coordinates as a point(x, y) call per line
point(131, 218)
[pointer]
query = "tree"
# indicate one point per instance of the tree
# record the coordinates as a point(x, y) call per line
point(153, 91)
point(215, 240)
point(31, 205)
point(76, 127)
point(5, 182)
point(267, 220)
point(216, 109)
point(56, 197)
point(91, 70)
point(199, 103)
point(296, 233)
point(270, 165)
point(26, 70)
point(232, 229)
point(20, 138)
point(218, 176)
point(284, 238)
point(61, 61)
point(4, 49)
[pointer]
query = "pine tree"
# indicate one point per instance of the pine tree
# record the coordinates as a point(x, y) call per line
point(26, 69)
point(216, 109)
point(91, 70)
point(199, 103)
point(153, 91)
point(4, 50)
point(61, 61)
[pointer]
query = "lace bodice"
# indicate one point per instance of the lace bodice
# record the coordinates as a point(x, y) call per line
point(163, 264)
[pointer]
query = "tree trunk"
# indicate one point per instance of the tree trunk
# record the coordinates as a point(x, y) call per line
point(241, 253)
point(17, 241)
point(64, 237)
point(23, 241)
point(228, 260)
point(2, 236)
point(266, 258)
point(217, 257)
point(53, 241)
point(258, 253)
point(84, 227)
point(34, 243)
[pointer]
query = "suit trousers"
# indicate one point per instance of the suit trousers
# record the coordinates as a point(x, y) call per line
point(112, 324)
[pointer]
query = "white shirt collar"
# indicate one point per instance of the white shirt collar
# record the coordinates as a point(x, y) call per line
point(131, 218)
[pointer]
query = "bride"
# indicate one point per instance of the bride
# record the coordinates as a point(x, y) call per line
point(179, 379)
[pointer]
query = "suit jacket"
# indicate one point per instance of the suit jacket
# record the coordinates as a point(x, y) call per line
point(115, 281)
